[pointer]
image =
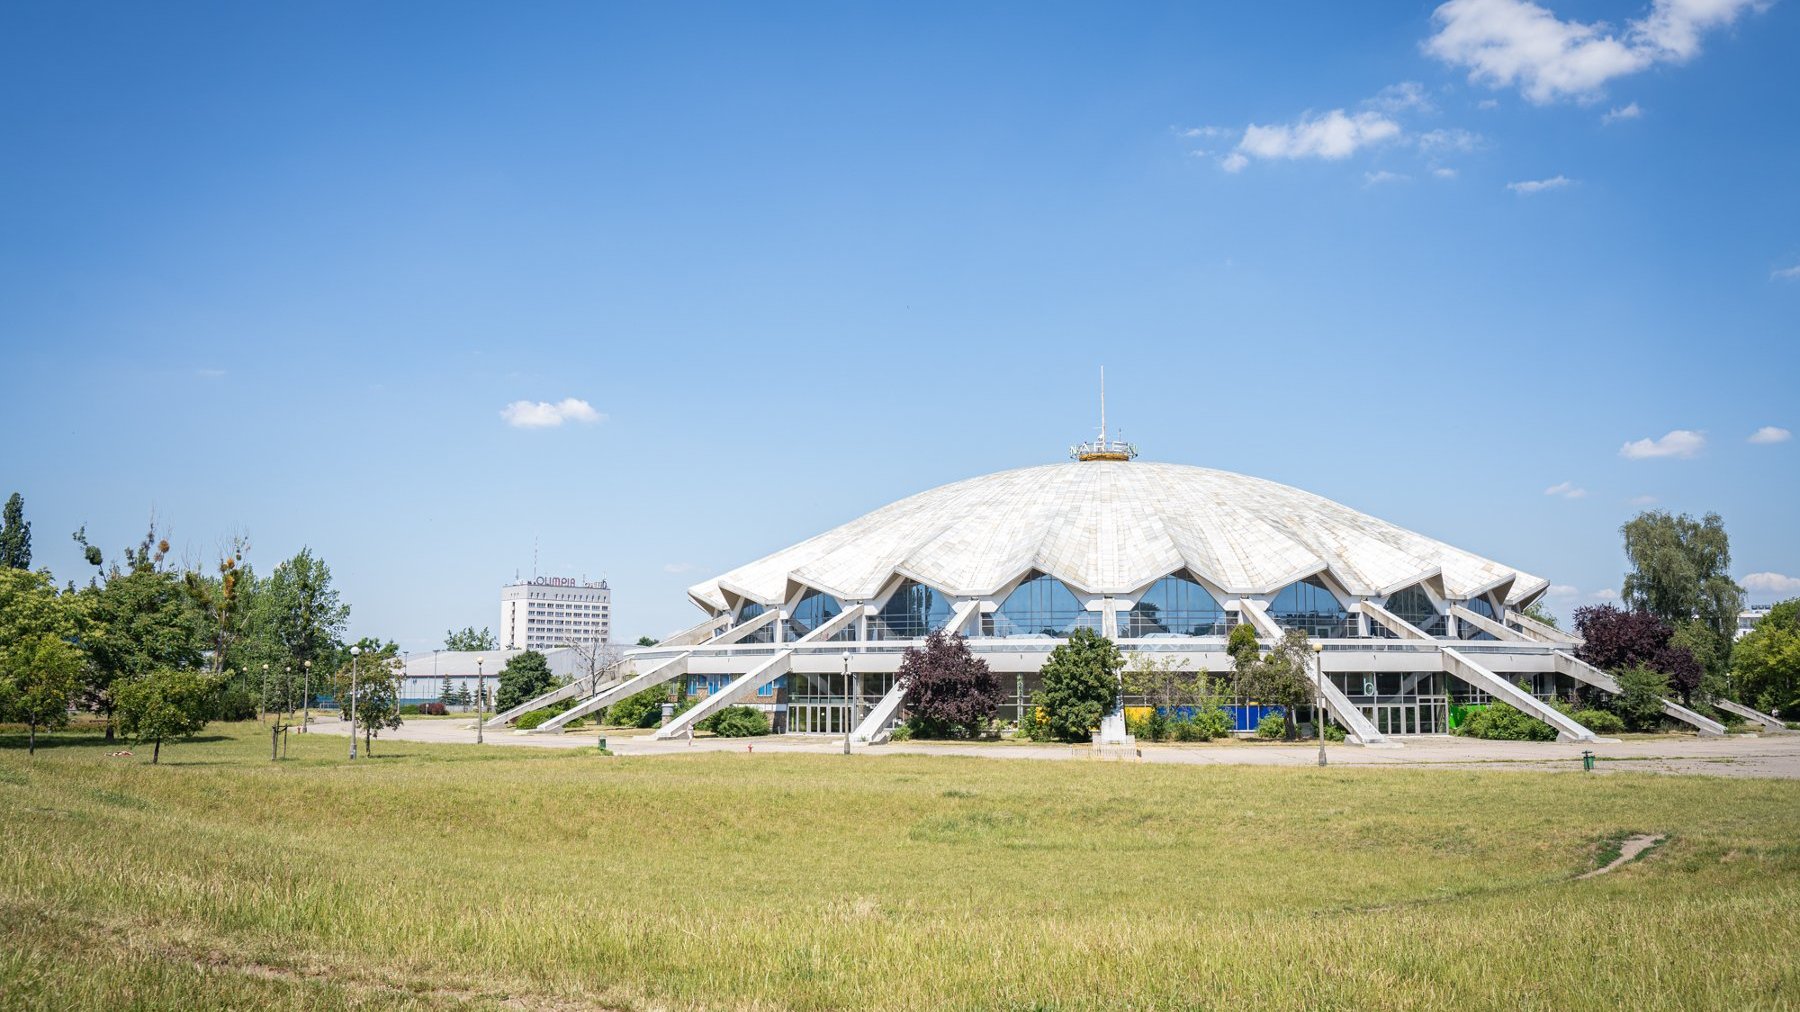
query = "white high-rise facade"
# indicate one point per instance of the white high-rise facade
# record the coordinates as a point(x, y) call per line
point(554, 611)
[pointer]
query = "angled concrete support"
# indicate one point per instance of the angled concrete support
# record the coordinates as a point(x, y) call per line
point(698, 633)
point(1462, 667)
point(836, 624)
point(674, 667)
point(745, 628)
point(1582, 671)
point(1769, 724)
point(580, 686)
point(736, 689)
point(959, 617)
point(1357, 728)
point(1255, 613)
point(1488, 625)
point(1533, 629)
point(878, 725)
point(1394, 623)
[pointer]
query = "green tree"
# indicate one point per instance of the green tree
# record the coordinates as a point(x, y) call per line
point(15, 535)
point(1640, 698)
point(1766, 662)
point(447, 694)
point(137, 620)
point(1281, 678)
point(165, 705)
point(526, 676)
point(1536, 610)
point(1680, 572)
point(1081, 684)
point(221, 602)
point(372, 680)
point(645, 641)
point(39, 668)
point(293, 617)
point(1242, 645)
point(1163, 681)
point(468, 639)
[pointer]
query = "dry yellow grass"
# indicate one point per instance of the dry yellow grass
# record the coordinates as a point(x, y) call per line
point(451, 876)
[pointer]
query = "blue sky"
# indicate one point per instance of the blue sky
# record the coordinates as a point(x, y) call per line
point(281, 270)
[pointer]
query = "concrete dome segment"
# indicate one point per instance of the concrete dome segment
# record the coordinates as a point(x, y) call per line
point(1113, 527)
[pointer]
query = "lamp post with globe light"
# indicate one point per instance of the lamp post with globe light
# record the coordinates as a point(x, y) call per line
point(355, 652)
point(1319, 696)
point(480, 699)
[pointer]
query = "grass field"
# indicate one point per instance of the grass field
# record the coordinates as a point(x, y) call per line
point(444, 876)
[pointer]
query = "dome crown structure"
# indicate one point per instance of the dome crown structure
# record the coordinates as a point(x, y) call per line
point(1107, 527)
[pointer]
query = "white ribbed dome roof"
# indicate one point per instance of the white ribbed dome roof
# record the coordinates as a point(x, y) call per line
point(1112, 528)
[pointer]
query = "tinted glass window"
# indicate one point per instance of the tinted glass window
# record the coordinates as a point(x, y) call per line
point(1175, 606)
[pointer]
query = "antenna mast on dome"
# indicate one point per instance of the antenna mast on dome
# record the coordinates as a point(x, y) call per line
point(1103, 448)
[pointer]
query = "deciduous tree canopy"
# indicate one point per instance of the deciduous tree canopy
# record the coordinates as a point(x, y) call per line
point(950, 693)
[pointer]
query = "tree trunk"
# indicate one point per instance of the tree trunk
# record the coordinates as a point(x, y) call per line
point(275, 742)
point(156, 752)
point(33, 748)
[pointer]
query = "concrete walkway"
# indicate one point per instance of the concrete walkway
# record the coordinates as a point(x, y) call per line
point(1732, 756)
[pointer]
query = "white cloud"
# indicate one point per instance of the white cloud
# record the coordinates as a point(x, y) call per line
point(1397, 98)
point(1608, 594)
point(1384, 176)
point(1641, 500)
point(677, 567)
point(1566, 489)
point(1443, 173)
point(1563, 590)
point(1333, 136)
point(1450, 139)
point(1488, 103)
point(1506, 43)
point(1769, 435)
point(545, 415)
point(1677, 443)
point(1529, 186)
point(1612, 116)
point(1772, 583)
point(1785, 273)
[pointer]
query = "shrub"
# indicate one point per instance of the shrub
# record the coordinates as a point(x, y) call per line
point(1334, 733)
point(738, 722)
point(1504, 722)
point(409, 710)
point(535, 718)
point(1273, 725)
point(234, 702)
point(1641, 692)
point(641, 709)
point(901, 732)
point(1599, 721)
point(950, 693)
point(1212, 723)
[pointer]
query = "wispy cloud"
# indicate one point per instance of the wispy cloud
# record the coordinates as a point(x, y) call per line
point(1772, 583)
point(1563, 590)
point(1606, 594)
point(548, 415)
point(1446, 139)
point(1398, 98)
point(677, 567)
point(1508, 43)
point(1333, 136)
point(1677, 443)
point(1785, 273)
point(1444, 173)
point(1384, 176)
point(1768, 435)
point(1621, 113)
point(1530, 186)
point(1567, 490)
point(1641, 500)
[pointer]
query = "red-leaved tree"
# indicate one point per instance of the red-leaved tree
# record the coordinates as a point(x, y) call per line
point(1616, 640)
point(950, 693)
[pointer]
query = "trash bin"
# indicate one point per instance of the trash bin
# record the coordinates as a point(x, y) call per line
point(1587, 761)
point(603, 743)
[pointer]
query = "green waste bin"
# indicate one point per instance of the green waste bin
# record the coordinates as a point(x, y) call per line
point(1587, 761)
point(603, 743)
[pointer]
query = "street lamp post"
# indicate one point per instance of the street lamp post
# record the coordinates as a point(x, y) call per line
point(849, 707)
point(354, 653)
point(265, 691)
point(306, 697)
point(1319, 696)
point(480, 699)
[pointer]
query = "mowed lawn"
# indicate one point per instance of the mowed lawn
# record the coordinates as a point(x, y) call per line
point(435, 876)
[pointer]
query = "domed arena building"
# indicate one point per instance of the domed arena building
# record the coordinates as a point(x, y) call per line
point(1157, 557)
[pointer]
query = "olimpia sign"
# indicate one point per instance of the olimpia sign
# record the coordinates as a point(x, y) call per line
point(563, 581)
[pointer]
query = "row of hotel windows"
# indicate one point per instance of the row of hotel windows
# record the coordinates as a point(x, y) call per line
point(1173, 606)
